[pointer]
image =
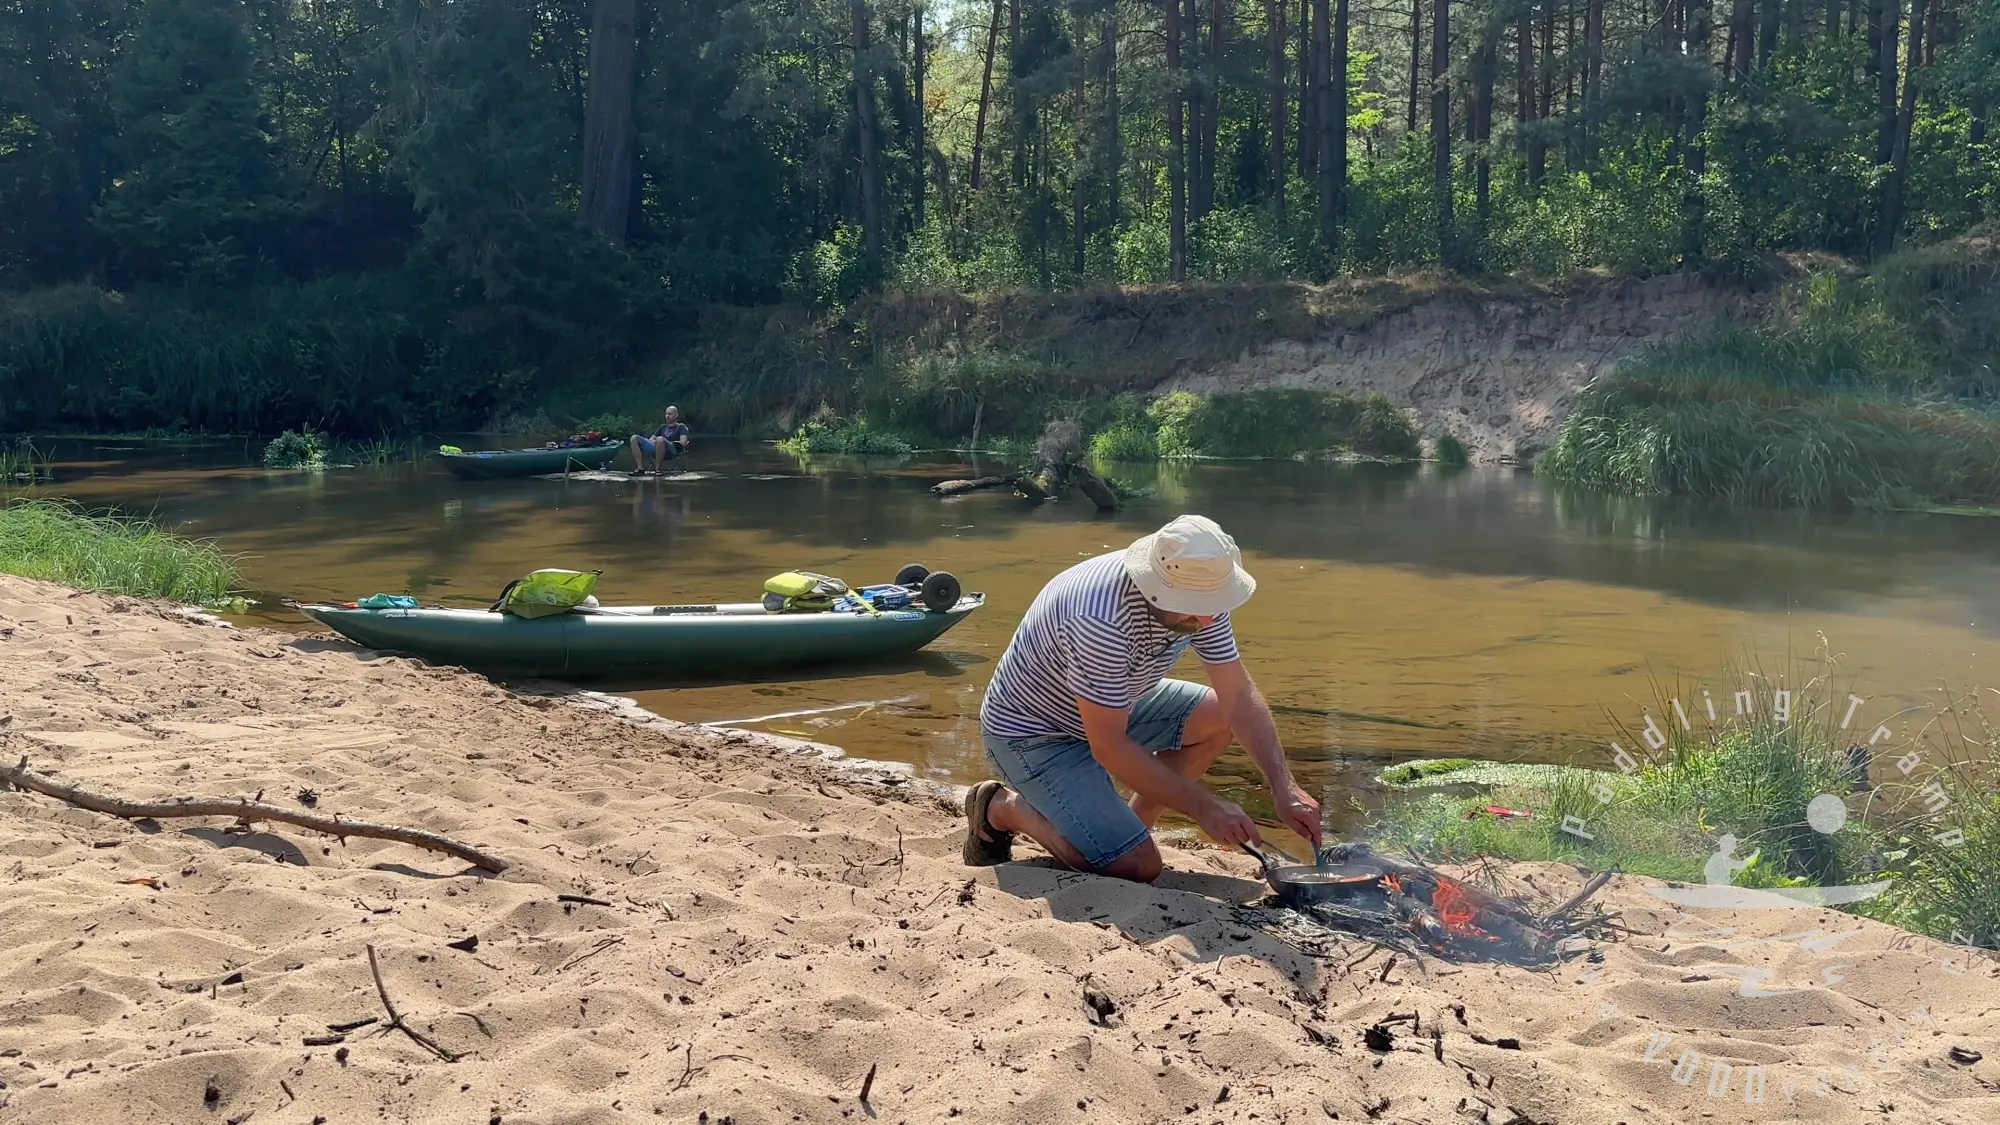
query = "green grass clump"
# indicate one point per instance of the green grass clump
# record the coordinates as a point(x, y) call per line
point(1659, 811)
point(21, 463)
point(58, 542)
point(1946, 888)
point(856, 438)
point(295, 450)
point(1125, 440)
point(1874, 393)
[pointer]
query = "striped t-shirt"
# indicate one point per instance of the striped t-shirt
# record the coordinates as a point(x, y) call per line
point(1088, 635)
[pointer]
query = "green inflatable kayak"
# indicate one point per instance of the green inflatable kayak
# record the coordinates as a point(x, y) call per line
point(705, 640)
point(496, 463)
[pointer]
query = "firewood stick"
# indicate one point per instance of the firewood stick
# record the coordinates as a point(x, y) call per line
point(396, 1018)
point(246, 810)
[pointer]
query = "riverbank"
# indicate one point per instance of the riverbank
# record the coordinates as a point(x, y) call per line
point(1874, 386)
point(765, 930)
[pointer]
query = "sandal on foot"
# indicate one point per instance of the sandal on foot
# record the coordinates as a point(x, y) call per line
point(984, 844)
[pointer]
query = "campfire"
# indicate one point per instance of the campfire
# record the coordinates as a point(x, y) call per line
point(1353, 890)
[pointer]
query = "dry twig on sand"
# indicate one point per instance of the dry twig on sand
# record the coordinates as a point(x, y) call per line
point(396, 1018)
point(246, 811)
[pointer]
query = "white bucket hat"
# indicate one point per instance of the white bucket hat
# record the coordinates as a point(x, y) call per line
point(1190, 566)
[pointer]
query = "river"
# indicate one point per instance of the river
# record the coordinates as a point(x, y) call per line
point(1401, 611)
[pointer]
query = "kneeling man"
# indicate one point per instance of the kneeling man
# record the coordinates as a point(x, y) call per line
point(1081, 699)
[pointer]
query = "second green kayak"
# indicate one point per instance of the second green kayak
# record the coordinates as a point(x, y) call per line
point(703, 641)
point(497, 463)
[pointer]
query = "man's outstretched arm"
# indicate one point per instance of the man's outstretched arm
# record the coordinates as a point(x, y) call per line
point(1251, 722)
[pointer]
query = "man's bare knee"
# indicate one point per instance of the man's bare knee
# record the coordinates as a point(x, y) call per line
point(1142, 864)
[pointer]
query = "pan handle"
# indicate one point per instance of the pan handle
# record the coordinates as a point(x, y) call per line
point(1270, 859)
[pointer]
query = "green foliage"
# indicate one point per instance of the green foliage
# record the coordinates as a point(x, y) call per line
point(829, 273)
point(1865, 394)
point(1451, 452)
point(1751, 776)
point(1276, 422)
point(1945, 886)
point(198, 193)
point(58, 542)
point(610, 423)
point(21, 463)
point(1125, 440)
point(295, 450)
point(855, 438)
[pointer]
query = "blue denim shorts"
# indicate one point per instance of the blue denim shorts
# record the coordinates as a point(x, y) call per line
point(1064, 783)
point(647, 445)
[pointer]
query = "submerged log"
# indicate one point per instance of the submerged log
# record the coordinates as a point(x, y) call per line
point(954, 487)
point(1093, 487)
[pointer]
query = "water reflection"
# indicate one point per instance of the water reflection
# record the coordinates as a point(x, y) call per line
point(1402, 610)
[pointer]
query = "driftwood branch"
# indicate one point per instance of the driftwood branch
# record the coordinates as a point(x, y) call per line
point(1595, 884)
point(396, 1018)
point(954, 487)
point(245, 810)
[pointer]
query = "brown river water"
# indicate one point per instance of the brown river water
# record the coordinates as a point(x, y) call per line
point(1401, 612)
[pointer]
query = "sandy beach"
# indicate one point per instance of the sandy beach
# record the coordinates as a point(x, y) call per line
point(764, 931)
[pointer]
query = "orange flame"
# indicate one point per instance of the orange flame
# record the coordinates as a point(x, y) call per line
point(1454, 908)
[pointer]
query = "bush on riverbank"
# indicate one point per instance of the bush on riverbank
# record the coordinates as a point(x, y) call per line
point(1274, 422)
point(58, 542)
point(295, 450)
point(1877, 392)
point(855, 438)
point(1752, 778)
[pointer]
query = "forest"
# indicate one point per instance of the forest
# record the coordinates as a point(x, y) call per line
point(244, 216)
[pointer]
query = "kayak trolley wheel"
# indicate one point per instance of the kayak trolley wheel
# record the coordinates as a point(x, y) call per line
point(912, 574)
point(939, 591)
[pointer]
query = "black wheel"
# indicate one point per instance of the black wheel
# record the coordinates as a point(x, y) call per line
point(939, 592)
point(912, 574)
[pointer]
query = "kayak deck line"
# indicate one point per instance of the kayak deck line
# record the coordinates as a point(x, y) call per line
point(810, 711)
point(677, 639)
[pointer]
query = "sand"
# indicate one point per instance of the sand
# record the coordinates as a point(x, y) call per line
point(777, 928)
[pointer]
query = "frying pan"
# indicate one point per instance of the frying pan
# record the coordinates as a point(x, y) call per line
point(1344, 878)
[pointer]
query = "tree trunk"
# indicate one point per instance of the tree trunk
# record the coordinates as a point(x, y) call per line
point(1176, 149)
point(1211, 114)
point(1593, 77)
point(1741, 47)
point(985, 93)
point(1020, 127)
point(1441, 126)
point(1079, 165)
point(1322, 99)
point(864, 128)
point(1899, 169)
point(1274, 52)
point(1114, 144)
point(1416, 58)
point(1191, 66)
point(1538, 155)
point(1308, 110)
point(1767, 32)
point(1524, 95)
point(1693, 207)
point(1884, 16)
point(608, 131)
point(917, 71)
point(1334, 139)
point(1486, 71)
